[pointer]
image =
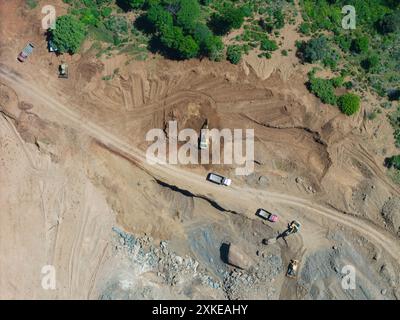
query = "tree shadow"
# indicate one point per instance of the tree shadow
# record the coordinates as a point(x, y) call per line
point(123, 5)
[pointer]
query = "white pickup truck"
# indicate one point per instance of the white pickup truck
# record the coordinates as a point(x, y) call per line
point(216, 178)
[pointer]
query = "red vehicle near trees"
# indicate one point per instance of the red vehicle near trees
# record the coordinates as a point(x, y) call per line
point(24, 54)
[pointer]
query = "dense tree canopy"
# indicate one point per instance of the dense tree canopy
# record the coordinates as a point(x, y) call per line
point(227, 19)
point(68, 34)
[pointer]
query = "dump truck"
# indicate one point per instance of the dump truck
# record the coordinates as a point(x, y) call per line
point(204, 136)
point(216, 178)
point(264, 214)
point(24, 54)
point(292, 268)
point(63, 70)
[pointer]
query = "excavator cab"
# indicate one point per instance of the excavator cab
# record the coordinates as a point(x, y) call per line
point(293, 227)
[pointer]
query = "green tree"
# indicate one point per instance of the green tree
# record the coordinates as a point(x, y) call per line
point(227, 19)
point(323, 89)
point(370, 63)
point(349, 103)
point(159, 17)
point(210, 45)
point(68, 34)
point(268, 45)
point(173, 38)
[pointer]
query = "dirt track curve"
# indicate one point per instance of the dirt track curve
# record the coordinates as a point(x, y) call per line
point(195, 183)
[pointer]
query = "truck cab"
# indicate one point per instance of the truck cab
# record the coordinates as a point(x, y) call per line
point(218, 179)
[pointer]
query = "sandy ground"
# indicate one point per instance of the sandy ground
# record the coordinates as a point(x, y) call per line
point(78, 194)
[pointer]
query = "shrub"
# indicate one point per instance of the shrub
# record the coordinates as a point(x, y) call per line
point(316, 49)
point(393, 161)
point(68, 34)
point(360, 44)
point(349, 103)
point(305, 28)
point(106, 12)
point(389, 23)
point(323, 89)
point(343, 41)
point(234, 54)
point(133, 4)
point(227, 19)
point(188, 14)
point(394, 94)
point(158, 17)
point(268, 45)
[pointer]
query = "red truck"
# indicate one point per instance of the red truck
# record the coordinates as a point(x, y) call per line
point(24, 54)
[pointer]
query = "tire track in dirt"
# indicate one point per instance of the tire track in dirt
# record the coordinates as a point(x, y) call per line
point(167, 172)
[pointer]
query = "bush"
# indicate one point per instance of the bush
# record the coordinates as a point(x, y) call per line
point(227, 19)
point(316, 49)
point(394, 94)
point(184, 45)
point(158, 17)
point(68, 34)
point(370, 63)
point(305, 28)
point(360, 44)
point(389, 23)
point(32, 4)
point(188, 14)
point(209, 44)
point(323, 89)
point(268, 45)
point(234, 54)
point(349, 103)
point(393, 161)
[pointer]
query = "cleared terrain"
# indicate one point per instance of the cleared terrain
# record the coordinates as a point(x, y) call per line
point(77, 192)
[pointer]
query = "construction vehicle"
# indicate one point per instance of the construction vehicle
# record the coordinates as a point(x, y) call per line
point(63, 70)
point(51, 46)
point(292, 268)
point(24, 54)
point(293, 227)
point(204, 136)
point(267, 215)
point(216, 178)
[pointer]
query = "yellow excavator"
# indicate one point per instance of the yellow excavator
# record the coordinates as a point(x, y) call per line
point(293, 227)
point(63, 70)
point(292, 268)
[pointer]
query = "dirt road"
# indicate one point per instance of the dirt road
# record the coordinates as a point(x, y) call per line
point(244, 198)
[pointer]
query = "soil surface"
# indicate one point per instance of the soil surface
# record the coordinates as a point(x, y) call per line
point(77, 192)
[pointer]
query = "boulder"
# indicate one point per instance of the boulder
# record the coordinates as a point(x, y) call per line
point(238, 258)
